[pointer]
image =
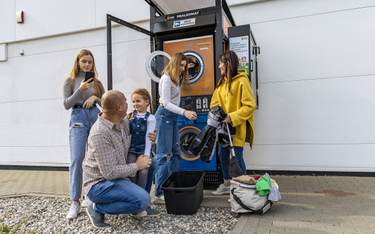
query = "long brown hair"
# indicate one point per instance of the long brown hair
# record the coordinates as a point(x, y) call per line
point(230, 60)
point(145, 96)
point(76, 69)
point(173, 70)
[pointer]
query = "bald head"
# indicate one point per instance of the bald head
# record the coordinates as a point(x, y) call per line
point(111, 99)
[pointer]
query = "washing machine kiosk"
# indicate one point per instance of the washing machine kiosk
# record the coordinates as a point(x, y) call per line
point(202, 35)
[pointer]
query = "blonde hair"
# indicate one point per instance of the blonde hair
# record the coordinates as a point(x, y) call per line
point(173, 70)
point(145, 96)
point(76, 69)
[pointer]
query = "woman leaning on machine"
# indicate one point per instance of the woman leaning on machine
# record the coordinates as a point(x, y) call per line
point(82, 96)
point(233, 92)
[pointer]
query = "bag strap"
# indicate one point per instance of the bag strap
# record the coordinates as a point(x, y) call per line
point(238, 200)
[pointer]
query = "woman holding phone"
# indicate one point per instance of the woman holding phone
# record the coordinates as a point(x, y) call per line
point(168, 152)
point(82, 95)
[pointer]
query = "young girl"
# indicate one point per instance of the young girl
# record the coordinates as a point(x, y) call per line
point(168, 152)
point(141, 123)
point(82, 96)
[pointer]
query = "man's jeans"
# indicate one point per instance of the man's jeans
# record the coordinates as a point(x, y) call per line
point(168, 151)
point(81, 121)
point(223, 154)
point(119, 196)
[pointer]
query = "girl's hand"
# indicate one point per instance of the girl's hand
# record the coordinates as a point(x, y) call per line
point(88, 103)
point(227, 119)
point(192, 115)
point(85, 85)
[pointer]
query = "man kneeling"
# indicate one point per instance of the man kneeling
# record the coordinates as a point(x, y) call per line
point(105, 172)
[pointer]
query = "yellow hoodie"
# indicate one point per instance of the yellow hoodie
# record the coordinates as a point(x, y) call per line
point(240, 106)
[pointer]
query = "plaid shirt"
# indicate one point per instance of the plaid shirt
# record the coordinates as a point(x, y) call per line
point(107, 153)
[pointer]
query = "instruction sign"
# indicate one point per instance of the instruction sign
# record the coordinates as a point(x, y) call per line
point(240, 45)
point(183, 23)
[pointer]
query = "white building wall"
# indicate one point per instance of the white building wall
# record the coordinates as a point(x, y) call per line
point(34, 124)
point(315, 79)
point(316, 76)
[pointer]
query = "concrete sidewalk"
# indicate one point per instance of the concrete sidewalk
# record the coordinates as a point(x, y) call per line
point(309, 204)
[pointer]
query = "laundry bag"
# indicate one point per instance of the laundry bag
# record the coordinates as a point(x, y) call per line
point(245, 199)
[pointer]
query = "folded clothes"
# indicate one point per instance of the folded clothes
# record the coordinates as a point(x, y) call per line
point(245, 179)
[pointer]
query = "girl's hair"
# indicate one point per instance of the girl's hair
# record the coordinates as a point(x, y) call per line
point(145, 95)
point(230, 60)
point(173, 70)
point(76, 69)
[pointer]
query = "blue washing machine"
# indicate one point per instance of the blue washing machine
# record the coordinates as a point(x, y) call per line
point(189, 129)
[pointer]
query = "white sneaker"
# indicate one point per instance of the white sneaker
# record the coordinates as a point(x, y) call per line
point(221, 190)
point(160, 197)
point(74, 210)
point(86, 202)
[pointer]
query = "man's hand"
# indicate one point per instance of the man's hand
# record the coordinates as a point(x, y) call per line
point(152, 136)
point(143, 162)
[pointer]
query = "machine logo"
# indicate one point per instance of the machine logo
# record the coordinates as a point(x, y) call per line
point(184, 23)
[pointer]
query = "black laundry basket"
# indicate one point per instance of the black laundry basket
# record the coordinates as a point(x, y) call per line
point(183, 192)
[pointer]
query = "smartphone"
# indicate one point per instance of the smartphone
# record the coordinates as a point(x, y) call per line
point(89, 75)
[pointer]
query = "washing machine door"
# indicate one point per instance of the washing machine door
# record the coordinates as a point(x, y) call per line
point(187, 134)
point(155, 64)
point(195, 65)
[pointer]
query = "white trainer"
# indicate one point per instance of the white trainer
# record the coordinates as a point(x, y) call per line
point(86, 202)
point(160, 197)
point(221, 190)
point(74, 210)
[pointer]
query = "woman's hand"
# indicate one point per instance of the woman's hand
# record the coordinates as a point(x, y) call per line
point(88, 103)
point(227, 119)
point(192, 115)
point(85, 85)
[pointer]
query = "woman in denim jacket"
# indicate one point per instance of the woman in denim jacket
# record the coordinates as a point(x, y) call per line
point(168, 153)
point(82, 96)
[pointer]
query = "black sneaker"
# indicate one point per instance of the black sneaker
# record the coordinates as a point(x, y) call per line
point(96, 218)
point(147, 213)
point(152, 212)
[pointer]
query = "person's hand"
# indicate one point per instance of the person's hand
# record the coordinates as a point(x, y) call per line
point(85, 85)
point(90, 101)
point(190, 65)
point(143, 162)
point(192, 115)
point(227, 119)
point(152, 136)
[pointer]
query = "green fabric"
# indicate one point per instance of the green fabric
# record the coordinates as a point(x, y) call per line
point(263, 186)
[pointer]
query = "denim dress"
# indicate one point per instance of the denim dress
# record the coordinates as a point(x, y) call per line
point(138, 130)
point(168, 152)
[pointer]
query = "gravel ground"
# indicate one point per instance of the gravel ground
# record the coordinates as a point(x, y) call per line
point(47, 215)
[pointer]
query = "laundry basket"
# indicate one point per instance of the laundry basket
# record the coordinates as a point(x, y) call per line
point(183, 192)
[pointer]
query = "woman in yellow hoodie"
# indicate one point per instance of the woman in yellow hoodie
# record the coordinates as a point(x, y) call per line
point(233, 92)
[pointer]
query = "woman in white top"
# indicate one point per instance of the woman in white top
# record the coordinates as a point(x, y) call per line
point(168, 153)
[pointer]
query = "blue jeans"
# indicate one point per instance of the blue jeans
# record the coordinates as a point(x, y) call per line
point(119, 196)
point(168, 151)
point(223, 154)
point(151, 173)
point(81, 121)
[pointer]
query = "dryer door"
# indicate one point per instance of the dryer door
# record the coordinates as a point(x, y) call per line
point(187, 135)
point(155, 64)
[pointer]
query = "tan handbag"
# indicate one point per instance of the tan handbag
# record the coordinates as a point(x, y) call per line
point(244, 199)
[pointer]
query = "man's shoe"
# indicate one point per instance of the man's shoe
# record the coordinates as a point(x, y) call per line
point(86, 202)
point(221, 190)
point(74, 210)
point(161, 197)
point(147, 213)
point(96, 218)
point(152, 212)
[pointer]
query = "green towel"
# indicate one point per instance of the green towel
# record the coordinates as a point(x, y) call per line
point(263, 186)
